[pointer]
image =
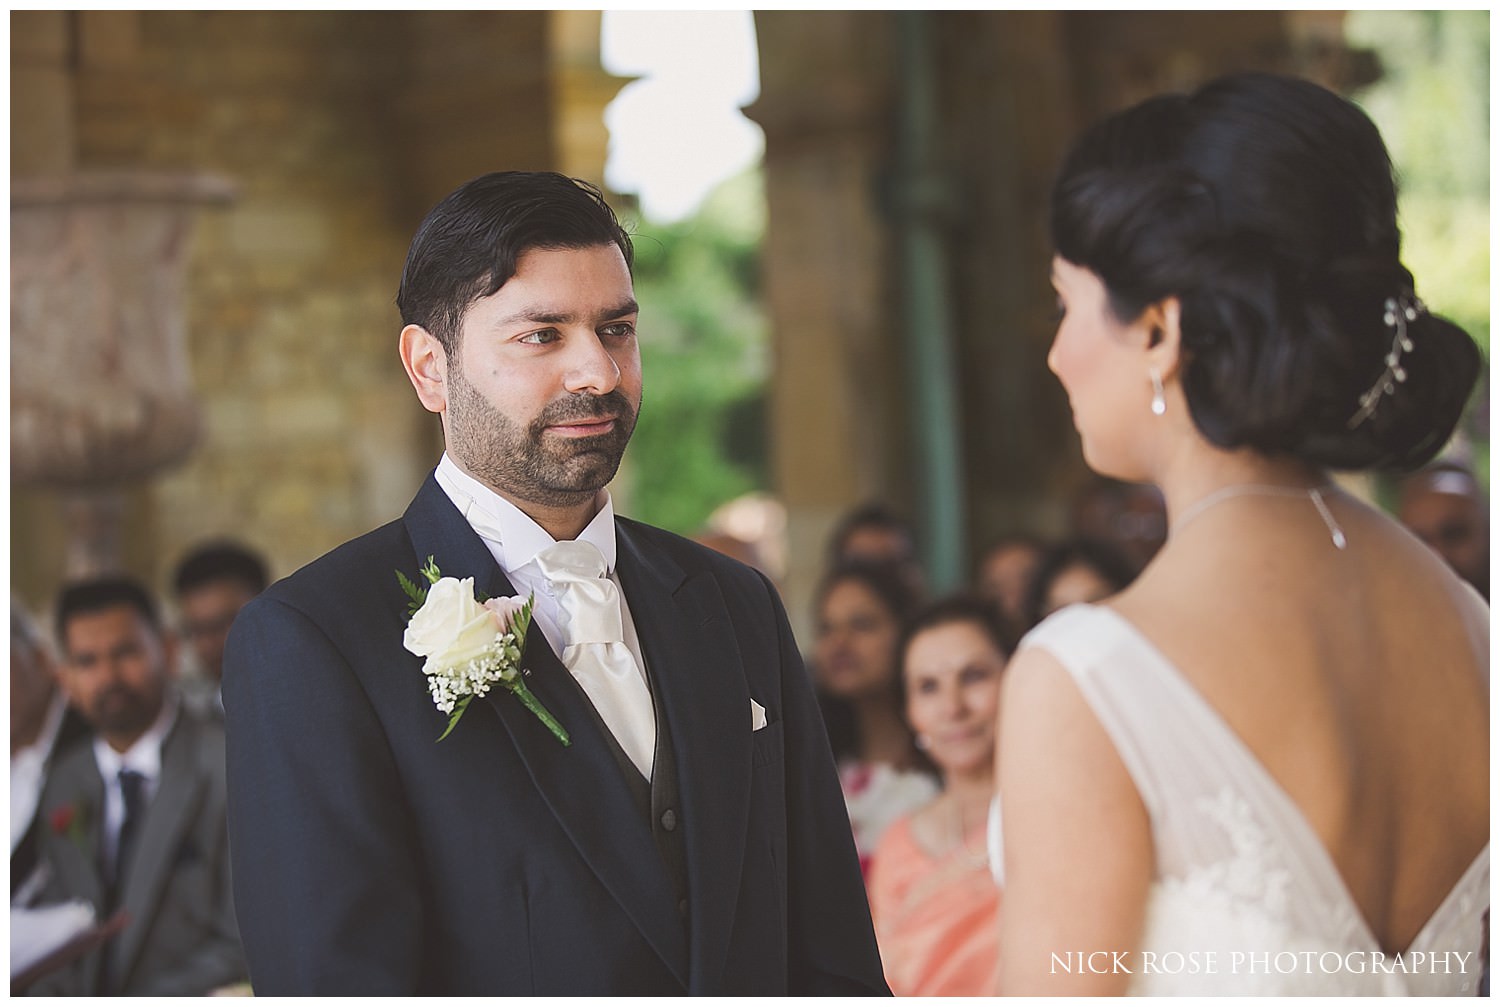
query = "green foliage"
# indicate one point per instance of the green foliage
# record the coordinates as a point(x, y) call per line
point(1432, 107)
point(700, 440)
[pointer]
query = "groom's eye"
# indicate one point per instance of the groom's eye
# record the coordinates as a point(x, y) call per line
point(540, 337)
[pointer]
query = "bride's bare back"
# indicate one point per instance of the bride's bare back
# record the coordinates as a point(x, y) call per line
point(1358, 677)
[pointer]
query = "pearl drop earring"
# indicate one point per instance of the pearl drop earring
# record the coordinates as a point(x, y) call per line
point(1158, 394)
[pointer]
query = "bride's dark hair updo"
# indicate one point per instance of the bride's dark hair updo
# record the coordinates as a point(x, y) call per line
point(1266, 205)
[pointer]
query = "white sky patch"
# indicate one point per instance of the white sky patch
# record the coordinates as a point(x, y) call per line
point(678, 132)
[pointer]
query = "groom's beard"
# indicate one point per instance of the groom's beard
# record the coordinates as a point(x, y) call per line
point(529, 464)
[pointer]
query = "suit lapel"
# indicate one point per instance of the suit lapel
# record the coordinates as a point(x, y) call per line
point(698, 679)
point(77, 862)
point(581, 782)
point(169, 818)
point(75, 783)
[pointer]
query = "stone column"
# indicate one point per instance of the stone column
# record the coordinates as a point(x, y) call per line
point(581, 88)
point(835, 398)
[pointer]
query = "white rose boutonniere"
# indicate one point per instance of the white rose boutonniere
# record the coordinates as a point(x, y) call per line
point(470, 646)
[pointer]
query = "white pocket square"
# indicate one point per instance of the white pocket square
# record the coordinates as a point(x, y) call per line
point(757, 716)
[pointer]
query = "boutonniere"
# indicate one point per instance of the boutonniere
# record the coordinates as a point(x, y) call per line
point(70, 820)
point(470, 646)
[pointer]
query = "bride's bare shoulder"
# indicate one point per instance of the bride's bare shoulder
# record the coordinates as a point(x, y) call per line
point(1269, 594)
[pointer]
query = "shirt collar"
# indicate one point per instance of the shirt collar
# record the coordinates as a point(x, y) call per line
point(144, 756)
point(514, 537)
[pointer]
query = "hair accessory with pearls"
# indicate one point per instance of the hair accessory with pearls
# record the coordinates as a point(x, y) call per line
point(1398, 312)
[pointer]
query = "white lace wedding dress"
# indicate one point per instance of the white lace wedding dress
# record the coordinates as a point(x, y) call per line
point(1246, 900)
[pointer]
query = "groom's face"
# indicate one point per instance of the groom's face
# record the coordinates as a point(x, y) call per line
point(545, 383)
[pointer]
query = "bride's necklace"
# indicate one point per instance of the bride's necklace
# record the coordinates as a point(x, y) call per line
point(1260, 489)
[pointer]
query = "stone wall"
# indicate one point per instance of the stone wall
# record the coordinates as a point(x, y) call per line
point(339, 130)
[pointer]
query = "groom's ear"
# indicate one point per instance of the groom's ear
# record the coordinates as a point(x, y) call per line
point(426, 365)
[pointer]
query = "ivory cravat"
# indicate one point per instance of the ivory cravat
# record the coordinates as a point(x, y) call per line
point(594, 649)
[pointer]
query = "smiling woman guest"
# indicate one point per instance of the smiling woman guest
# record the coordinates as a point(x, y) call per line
point(934, 903)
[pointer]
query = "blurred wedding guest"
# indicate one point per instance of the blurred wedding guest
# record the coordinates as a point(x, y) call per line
point(1277, 738)
point(934, 903)
point(1004, 575)
point(732, 546)
point(1443, 506)
point(210, 586)
point(860, 610)
point(42, 725)
point(1073, 573)
point(1130, 517)
point(135, 818)
point(873, 533)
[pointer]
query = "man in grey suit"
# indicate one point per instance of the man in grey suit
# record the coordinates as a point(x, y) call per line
point(134, 821)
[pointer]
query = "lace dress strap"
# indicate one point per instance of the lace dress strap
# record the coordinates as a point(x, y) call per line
point(1132, 704)
point(1212, 804)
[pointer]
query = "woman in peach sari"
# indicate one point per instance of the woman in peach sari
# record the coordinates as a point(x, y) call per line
point(934, 902)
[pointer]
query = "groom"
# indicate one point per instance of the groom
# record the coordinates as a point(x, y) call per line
point(689, 838)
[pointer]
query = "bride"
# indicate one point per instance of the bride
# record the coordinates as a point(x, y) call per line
point(1262, 768)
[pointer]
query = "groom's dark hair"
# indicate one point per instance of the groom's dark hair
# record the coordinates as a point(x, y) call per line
point(468, 244)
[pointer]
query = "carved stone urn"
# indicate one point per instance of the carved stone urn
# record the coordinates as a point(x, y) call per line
point(101, 388)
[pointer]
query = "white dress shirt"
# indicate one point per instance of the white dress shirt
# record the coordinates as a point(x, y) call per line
point(514, 539)
point(143, 757)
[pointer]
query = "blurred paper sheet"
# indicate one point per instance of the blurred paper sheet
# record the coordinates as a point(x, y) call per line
point(37, 932)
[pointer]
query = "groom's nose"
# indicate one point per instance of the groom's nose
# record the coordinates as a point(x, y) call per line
point(590, 367)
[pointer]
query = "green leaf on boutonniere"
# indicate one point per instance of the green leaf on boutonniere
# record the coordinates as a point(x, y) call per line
point(418, 595)
point(522, 621)
point(458, 711)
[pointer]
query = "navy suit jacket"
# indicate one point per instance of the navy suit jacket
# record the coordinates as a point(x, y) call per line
point(370, 858)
